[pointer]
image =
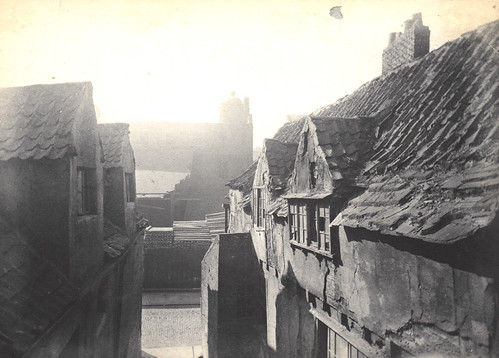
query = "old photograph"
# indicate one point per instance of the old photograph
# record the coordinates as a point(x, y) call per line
point(249, 179)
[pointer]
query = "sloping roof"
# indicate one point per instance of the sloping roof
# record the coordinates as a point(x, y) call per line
point(34, 294)
point(439, 110)
point(113, 137)
point(290, 132)
point(441, 208)
point(244, 181)
point(434, 169)
point(345, 142)
point(280, 159)
point(37, 121)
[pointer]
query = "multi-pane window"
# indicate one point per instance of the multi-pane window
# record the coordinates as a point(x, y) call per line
point(332, 345)
point(293, 222)
point(309, 224)
point(338, 347)
point(323, 227)
point(258, 207)
point(302, 223)
point(130, 187)
point(86, 191)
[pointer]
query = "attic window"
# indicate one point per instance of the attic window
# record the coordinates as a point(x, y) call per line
point(87, 192)
point(309, 225)
point(130, 187)
point(313, 174)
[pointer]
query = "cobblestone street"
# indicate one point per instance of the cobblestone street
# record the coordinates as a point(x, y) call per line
point(171, 327)
point(171, 331)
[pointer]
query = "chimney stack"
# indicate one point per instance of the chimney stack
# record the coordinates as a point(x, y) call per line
point(405, 47)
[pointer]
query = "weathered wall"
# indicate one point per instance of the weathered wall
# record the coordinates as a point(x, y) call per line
point(87, 233)
point(241, 329)
point(233, 289)
point(178, 265)
point(413, 301)
point(420, 297)
point(86, 247)
point(309, 152)
point(130, 300)
point(34, 196)
point(114, 196)
point(209, 301)
point(240, 217)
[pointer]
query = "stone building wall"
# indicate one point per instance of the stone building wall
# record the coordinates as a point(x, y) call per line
point(172, 263)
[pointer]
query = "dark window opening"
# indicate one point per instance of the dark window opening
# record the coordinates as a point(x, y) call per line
point(130, 187)
point(258, 208)
point(367, 335)
point(87, 191)
point(313, 177)
point(344, 321)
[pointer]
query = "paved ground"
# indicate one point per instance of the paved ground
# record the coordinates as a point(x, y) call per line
point(171, 298)
point(171, 325)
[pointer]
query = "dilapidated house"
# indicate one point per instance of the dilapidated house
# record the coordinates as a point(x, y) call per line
point(382, 241)
point(60, 290)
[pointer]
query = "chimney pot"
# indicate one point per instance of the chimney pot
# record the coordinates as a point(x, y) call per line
point(405, 47)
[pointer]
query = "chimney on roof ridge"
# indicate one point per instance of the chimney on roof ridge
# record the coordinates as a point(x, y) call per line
point(405, 47)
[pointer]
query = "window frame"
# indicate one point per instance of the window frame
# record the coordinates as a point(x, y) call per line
point(86, 191)
point(130, 193)
point(334, 345)
point(259, 207)
point(308, 221)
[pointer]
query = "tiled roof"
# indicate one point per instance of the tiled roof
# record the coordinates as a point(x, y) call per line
point(434, 172)
point(37, 121)
point(158, 238)
point(346, 143)
point(439, 110)
point(33, 294)
point(439, 208)
point(244, 181)
point(113, 137)
point(281, 159)
point(290, 132)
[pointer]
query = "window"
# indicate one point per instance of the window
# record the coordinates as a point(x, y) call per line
point(258, 207)
point(309, 224)
point(323, 221)
point(332, 345)
point(130, 187)
point(87, 194)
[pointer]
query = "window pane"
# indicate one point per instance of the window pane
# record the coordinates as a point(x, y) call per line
point(341, 347)
point(322, 224)
point(353, 352)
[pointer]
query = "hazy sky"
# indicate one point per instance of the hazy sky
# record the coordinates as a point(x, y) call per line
point(177, 60)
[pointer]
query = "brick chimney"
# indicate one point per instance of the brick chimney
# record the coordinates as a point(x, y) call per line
point(405, 47)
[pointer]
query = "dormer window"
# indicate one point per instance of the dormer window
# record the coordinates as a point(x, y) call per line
point(309, 224)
